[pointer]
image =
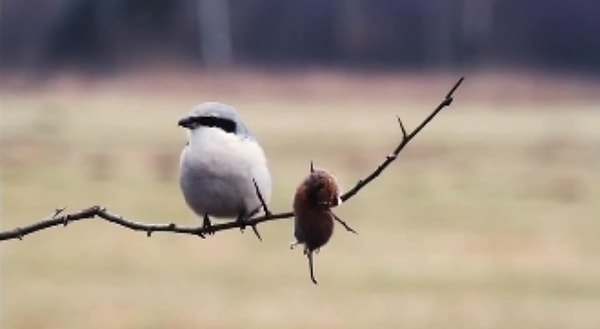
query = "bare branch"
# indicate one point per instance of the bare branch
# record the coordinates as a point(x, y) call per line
point(59, 217)
point(405, 140)
point(57, 212)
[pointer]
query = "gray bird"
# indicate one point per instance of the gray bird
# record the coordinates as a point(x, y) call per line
point(219, 163)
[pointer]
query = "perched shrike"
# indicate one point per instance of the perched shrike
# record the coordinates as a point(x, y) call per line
point(219, 163)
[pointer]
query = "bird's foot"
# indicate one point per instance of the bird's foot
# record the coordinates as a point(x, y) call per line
point(243, 222)
point(294, 244)
point(207, 226)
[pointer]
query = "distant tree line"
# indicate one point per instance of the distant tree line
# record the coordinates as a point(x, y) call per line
point(46, 34)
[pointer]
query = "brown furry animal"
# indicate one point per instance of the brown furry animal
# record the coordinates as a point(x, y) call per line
point(313, 224)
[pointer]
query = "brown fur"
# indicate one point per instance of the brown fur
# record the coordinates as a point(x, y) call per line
point(313, 216)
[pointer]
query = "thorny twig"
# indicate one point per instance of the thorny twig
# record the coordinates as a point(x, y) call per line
point(59, 217)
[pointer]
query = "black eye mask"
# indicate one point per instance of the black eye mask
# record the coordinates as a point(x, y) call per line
point(226, 125)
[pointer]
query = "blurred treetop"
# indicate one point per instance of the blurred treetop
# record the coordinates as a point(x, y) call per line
point(45, 34)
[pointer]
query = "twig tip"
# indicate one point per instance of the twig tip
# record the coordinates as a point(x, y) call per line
point(401, 124)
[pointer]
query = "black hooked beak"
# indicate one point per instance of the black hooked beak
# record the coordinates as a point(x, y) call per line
point(187, 122)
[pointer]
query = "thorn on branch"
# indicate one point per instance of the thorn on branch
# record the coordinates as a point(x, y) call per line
point(312, 167)
point(57, 211)
point(255, 230)
point(401, 127)
point(20, 234)
point(261, 199)
point(344, 224)
point(448, 101)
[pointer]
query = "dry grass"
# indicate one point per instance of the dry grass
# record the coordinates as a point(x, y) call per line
point(489, 220)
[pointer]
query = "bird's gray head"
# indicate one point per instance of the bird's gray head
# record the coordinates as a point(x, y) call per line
point(215, 115)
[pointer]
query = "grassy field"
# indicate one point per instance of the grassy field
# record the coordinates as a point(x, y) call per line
point(489, 219)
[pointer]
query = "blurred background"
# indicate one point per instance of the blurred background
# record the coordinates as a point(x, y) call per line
point(488, 219)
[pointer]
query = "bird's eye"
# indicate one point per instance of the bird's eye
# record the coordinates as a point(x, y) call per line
point(226, 125)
